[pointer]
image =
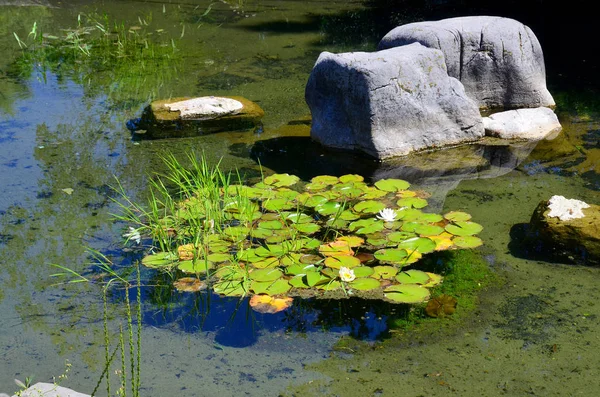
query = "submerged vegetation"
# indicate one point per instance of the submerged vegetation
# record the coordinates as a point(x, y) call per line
point(279, 238)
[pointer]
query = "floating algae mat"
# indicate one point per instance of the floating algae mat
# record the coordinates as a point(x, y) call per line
point(332, 237)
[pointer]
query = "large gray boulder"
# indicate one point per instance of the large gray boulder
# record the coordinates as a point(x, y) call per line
point(389, 103)
point(498, 60)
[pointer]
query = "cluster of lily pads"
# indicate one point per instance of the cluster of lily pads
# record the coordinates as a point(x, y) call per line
point(281, 237)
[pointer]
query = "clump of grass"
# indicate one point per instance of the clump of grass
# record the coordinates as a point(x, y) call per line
point(103, 55)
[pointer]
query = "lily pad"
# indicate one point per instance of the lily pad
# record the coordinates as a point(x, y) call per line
point(413, 277)
point(161, 259)
point(352, 241)
point(298, 217)
point(467, 241)
point(412, 202)
point(337, 262)
point(457, 216)
point(428, 230)
point(307, 228)
point(270, 225)
point(336, 248)
point(278, 204)
point(392, 185)
point(328, 208)
point(195, 267)
point(364, 284)
point(218, 257)
point(351, 178)
point(363, 271)
point(332, 285)
point(277, 287)
point(231, 287)
point(434, 279)
point(366, 226)
point(369, 207)
point(441, 306)
point(421, 244)
point(268, 304)
point(392, 255)
point(280, 180)
point(384, 272)
point(325, 179)
point(464, 228)
point(265, 274)
point(409, 293)
point(266, 263)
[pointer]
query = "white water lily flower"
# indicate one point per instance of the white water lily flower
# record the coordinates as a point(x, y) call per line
point(133, 235)
point(347, 274)
point(387, 215)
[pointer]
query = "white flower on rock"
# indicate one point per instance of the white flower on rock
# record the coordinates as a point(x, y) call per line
point(566, 209)
point(387, 215)
point(346, 274)
point(133, 235)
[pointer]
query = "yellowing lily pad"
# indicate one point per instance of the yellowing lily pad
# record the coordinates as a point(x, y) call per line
point(337, 262)
point(268, 304)
point(352, 241)
point(325, 179)
point(384, 272)
point(351, 178)
point(280, 180)
point(412, 202)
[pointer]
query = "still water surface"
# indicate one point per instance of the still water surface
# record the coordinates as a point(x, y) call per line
point(63, 140)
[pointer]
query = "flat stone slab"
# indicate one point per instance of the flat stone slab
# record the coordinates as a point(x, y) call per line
point(181, 117)
point(530, 124)
point(50, 390)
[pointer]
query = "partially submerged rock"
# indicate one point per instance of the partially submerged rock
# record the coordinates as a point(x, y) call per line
point(529, 124)
point(47, 389)
point(498, 60)
point(568, 229)
point(178, 117)
point(389, 103)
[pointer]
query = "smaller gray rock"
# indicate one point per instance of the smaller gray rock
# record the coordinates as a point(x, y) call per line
point(529, 124)
point(389, 103)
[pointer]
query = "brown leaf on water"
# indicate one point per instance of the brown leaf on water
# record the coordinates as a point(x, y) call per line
point(441, 306)
point(189, 284)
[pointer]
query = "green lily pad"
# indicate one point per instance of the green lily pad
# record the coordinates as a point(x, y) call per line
point(266, 263)
point(298, 217)
point(413, 277)
point(348, 215)
point(314, 277)
point(270, 288)
point(261, 233)
point(384, 272)
point(325, 179)
point(236, 233)
point(363, 271)
point(392, 185)
point(281, 180)
point(369, 207)
point(160, 259)
point(409, 293)
point(365, 284)
point(351, 178)
point(270, 225)
point(195, 267)
point(428, 230)
point(412, 202)
point(218, 257)
point(337, 262)
point(278, 204)
point(276, 250)
point(330, 286)
point(299, 281)
point(430, 217)
point(315, 186)
point(328, 208)
point(464, 228)
point(411, 215)
point(230, 273)
point(457, 216)
point(370, 193)
point(421, 244)
point(467, 241)
point(391, 255)
point(397, 237)
point(231, 287)
point(265, 274)
point(307, 228)
point(366, 226)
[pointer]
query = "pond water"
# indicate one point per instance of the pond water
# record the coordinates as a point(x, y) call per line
point(64, 140)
